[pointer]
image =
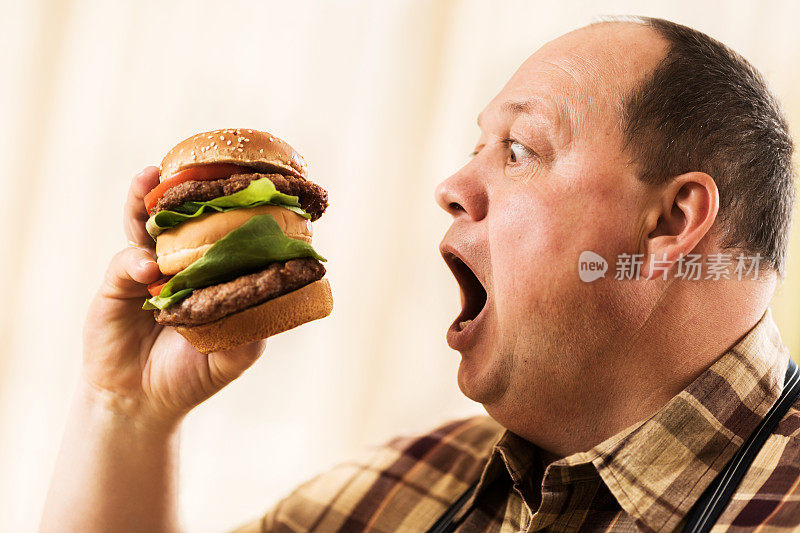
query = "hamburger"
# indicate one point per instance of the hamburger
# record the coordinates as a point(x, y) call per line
point(231, 219)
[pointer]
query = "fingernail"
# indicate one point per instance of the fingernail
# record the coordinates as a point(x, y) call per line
point(145, 263)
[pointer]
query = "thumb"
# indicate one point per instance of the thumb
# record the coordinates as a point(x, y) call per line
point(129, 272)
point(228, 365)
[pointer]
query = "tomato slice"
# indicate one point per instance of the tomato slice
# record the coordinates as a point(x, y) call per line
point(211, 171)
point(155, 288)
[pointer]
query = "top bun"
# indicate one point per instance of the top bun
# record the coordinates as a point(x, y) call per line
point(252, 148)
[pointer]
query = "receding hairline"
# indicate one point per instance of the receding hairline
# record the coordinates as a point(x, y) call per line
point(555, 110)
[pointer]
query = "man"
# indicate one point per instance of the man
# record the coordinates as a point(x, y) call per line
point(616, 395)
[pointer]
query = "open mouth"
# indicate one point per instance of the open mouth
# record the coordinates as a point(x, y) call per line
point(473, 293)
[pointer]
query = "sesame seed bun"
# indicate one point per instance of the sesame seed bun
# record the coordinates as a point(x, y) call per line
point(257, 149)
point(312, 302)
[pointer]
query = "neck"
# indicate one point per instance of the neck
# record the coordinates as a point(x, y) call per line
point(690, 326)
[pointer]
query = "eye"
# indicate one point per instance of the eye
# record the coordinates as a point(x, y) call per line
point(517, 151)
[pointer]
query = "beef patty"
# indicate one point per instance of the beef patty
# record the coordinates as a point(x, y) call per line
point(312, 197)
point(214, 302)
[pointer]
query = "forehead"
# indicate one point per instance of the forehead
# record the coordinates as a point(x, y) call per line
point(579, 79)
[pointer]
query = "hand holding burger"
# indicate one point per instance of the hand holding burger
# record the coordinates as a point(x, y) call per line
point(148, 373)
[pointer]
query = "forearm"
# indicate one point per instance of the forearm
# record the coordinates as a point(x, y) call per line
point(113, 472)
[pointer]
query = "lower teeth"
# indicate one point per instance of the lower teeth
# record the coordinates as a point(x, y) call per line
point(465, 323)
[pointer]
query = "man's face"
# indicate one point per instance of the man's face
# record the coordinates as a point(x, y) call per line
point(547, 180)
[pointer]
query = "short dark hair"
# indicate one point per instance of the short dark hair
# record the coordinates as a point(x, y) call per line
point(706, 108)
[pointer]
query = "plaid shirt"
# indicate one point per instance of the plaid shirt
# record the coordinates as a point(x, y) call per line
point(647, 477)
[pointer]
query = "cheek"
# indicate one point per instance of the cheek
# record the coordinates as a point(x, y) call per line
point(538, 236)
point(526, 249)
point(534, 236)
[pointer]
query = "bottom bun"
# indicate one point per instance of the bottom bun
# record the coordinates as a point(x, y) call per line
point(311, 302)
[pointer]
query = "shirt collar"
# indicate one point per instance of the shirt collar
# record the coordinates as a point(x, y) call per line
point(659, 467)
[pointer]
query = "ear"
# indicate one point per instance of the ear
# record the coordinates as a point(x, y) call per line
point(682, 213)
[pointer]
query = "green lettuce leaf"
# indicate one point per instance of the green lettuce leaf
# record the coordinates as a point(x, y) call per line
point(259, 192)
point(248, 248)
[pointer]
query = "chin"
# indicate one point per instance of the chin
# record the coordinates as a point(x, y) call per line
point(483, 377)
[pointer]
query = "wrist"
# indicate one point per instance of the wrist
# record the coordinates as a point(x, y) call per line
point(128, 412)
point(117, 469)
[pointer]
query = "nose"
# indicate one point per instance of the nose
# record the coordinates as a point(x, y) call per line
point(463, 193)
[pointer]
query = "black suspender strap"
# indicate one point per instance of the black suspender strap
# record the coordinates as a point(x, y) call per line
point(445, 523)
point(713, 501)
point(715, 498)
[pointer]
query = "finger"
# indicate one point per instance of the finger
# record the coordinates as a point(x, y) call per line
point(228, 365)
point(129, 273)
point(135, 215)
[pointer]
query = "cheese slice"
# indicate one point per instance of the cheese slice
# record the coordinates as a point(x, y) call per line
point(178, 247)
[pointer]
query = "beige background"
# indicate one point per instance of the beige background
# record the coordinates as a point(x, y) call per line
point(381, 98)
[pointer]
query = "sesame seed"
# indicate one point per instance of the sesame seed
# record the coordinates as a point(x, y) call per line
point(239, 149)
point(228, 143)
